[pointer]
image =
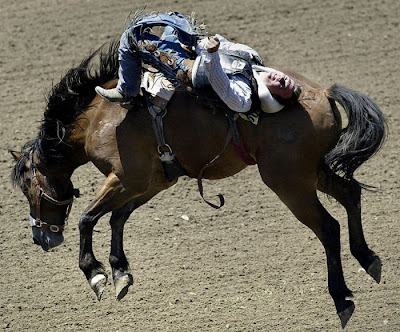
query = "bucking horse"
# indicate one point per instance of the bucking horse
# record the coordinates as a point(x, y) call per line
point(298, 151)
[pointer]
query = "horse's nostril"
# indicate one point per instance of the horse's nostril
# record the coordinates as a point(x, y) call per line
point(45, 246)
point(44, 242)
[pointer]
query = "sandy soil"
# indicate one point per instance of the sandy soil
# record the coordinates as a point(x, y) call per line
point(248, 267)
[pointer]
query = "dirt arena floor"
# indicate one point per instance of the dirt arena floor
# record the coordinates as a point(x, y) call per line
point(250, 266)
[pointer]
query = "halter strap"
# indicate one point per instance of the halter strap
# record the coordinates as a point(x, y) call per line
point(41, 194)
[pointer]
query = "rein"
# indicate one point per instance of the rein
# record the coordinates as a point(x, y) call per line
point(40, 194)
point(232, 138)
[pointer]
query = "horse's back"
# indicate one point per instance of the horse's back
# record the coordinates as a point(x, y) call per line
point(294, 141)
point(300, 134)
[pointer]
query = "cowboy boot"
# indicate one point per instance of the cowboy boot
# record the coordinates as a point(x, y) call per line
point(112, 95)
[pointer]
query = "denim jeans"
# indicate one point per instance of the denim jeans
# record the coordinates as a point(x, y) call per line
point(129, 71)
point(130, 67)
point(170, 43)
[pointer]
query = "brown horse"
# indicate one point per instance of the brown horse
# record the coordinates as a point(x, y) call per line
point(298, 150)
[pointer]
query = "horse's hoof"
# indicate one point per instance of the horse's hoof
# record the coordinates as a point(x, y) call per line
point(374, 270)
point(98, 284)
point(346, 314)
point(122, 285)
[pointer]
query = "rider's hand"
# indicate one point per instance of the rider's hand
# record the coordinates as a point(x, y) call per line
point(212, 44)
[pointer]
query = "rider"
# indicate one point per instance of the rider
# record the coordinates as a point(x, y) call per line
point(234, 90)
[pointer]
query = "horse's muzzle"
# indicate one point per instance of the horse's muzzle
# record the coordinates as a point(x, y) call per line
point(46, 238)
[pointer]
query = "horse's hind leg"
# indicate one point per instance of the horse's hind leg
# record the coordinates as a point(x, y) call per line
point(299, 195)
point(348, 193)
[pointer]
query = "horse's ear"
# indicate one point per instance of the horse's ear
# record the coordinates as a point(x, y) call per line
point(15, 154)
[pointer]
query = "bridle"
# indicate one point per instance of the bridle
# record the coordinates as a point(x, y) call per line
point(40, 194)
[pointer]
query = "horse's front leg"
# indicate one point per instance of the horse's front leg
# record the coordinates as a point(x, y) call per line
point(111, 197)
point(119, 264)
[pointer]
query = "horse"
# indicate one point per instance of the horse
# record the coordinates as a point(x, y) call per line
point(300, 150)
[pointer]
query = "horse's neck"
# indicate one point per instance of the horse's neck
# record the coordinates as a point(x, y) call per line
point(94, 131)
point(73, 154)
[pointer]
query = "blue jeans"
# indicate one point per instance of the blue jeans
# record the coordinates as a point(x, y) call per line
point(169, 42)
point(130, 64)
point(130, 67)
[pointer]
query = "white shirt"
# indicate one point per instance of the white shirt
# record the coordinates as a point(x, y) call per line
point(234, 92)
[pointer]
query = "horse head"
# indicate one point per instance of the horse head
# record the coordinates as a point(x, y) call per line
point(50, 198)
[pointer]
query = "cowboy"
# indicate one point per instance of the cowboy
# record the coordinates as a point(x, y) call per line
point(234, 90)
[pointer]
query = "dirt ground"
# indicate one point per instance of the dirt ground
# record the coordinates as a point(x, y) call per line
point(250, 266)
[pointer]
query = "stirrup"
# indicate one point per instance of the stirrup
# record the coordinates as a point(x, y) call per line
point(128, 104)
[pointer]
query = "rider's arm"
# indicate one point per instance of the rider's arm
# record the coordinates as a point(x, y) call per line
point(234, 92)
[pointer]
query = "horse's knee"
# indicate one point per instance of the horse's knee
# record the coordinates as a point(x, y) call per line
point(86, 224)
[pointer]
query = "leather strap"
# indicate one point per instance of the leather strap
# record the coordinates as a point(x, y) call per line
point(171, 166)
point(41, 194)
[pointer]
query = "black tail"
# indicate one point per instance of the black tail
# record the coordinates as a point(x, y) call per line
point(362, 138)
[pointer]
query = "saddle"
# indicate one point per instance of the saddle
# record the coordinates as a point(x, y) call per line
point(157, 91)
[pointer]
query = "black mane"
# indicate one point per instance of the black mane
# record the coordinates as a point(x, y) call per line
point(66, 100)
